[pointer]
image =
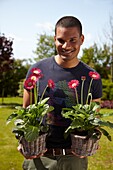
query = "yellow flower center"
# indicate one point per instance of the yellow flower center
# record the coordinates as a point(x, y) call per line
point(33, 78)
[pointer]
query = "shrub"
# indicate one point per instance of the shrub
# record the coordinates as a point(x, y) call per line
point(107, 90)
point(107, 104)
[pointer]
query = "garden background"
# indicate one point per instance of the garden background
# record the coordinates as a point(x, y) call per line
point(12, 75)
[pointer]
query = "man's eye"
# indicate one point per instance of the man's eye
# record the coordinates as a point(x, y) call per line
point(61, 41)
point(72, 40)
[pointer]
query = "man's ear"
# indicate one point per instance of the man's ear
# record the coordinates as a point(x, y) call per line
point(54, 38)
point(82, 39)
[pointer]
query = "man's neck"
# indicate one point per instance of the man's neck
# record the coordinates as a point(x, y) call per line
point(66, 63)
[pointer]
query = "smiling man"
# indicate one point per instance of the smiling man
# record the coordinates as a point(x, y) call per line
point(62, 68)
point(68, 41)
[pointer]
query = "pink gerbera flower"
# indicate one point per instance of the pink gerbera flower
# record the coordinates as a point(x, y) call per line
point(94, 75)
point(73, 84)
point(51, 83)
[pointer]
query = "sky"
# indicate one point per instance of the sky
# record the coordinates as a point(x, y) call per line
point(24, 20)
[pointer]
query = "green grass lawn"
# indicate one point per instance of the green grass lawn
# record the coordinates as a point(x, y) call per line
point(11, 101)
point(11, 159)
point(103, 159)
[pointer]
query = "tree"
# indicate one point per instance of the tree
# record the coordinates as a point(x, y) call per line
point(15, 77)
point(18, 74)
point(111, 38)
point(45, 47)
point(98, 58)
point(109, 35)
point(6, 60)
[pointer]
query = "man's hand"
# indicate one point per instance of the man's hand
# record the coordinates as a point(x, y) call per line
point(19, 148)
point(78, 155)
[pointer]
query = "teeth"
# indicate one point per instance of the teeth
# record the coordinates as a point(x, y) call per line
point(66, 51)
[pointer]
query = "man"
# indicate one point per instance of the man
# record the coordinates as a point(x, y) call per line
point(62, 68)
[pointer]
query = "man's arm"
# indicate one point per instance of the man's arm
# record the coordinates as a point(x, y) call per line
point(97, 100)
point(26, 98)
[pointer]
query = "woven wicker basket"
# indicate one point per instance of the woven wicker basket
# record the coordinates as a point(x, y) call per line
point(83, 146)
point(34, 148)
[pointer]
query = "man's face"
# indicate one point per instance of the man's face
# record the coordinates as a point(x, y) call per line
point(68, 42)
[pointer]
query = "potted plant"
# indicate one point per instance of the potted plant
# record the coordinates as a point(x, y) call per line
point(87, 124)
point(28, 122)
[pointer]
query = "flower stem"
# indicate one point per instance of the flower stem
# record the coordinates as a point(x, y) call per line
point(43, 93)
point(35, 94)
point(76, 96)
point(82, 92)
point(89, 90)
point(30, 97)
point(37, 90)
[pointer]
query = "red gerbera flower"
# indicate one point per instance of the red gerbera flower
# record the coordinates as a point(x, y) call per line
point(51, 83)
point(94, 75)
point(35, 71)
point(31, 81)
point(73, 84)
point(29, 84)
point(33, 78)
point(83, 78)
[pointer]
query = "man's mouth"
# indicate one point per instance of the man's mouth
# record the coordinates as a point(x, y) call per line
point(67, 51)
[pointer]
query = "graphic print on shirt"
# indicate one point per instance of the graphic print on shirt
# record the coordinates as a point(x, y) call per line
point(61, 96)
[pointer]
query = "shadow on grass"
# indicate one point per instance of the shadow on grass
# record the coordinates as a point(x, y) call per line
point(9, 105)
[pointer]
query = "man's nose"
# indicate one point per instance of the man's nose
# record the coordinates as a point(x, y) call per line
point(66, 45)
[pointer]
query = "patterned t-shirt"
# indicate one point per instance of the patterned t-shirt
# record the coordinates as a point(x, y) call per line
point(62, 96)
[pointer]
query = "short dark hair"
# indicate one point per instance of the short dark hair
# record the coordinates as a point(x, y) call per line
point(69, 21)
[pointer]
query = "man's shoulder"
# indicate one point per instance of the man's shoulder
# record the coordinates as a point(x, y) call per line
point(87, 67)
point(43, 62)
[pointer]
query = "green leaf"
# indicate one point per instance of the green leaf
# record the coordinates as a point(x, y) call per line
point(32, 132)
point(18, 121)
point(43, 101)
point(86, 107)
point(96, 107)
point(106, 123)
point(69, 114)
point(95, 122)
point(66, 109)
point(107, 114)
point(19, 108)
point(18, 131)
point(51, 108)
point(81, 116)
point(11, 117)
point(105, 133)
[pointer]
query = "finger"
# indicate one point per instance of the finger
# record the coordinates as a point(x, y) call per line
point(78, 155)
point(19, 148)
